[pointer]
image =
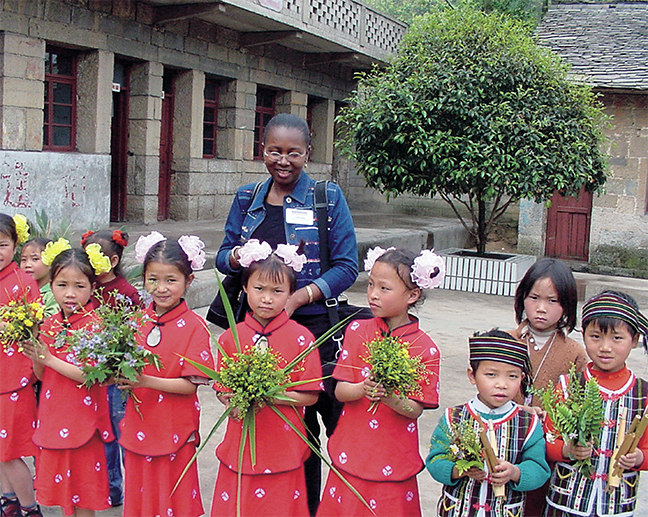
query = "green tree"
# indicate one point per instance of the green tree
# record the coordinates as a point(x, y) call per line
point(473, 110)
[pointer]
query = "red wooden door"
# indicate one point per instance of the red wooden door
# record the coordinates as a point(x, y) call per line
point(568, 227)
point(166, 150)
point(119, 152)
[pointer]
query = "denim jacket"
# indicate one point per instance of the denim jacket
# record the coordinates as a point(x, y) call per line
point(241, 224)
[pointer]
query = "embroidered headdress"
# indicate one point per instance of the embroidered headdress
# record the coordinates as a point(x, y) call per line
point(500, 349)
point(610, 305)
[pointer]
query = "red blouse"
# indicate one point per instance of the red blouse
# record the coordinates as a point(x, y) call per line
point(16, 370)
point(278, 447)
point(69, 414)
point(381, 445)
point(166, 421)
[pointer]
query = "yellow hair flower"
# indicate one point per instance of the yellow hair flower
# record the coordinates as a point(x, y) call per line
point(22, 227)
point(53, 249)
point(99, 261)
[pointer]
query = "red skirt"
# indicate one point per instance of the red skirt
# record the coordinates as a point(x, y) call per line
point(282, 494)
point(386, 498)
point(149, 481)
point(17, 424)
point(73, 478)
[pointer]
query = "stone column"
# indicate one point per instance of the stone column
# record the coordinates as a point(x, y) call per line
point(237, 102)
point(94, 90)
point(144, 141)
point(292, 102)
point(187, 144)
point(322, 127)
point(22, 76)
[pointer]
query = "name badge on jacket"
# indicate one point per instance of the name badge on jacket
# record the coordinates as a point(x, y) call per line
point(297, 216)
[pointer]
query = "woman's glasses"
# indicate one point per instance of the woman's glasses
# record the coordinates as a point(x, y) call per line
point(293, 157)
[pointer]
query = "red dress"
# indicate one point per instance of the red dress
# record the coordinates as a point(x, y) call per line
point(276, 484)
point(378, 453)
point(162, 438)
point(17, 398)
point(118, 285)
point(73, 422)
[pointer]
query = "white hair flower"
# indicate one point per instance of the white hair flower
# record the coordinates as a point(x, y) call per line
point(194, 248)
point(288, 252)
point(428, 270)
point(374, 254)
point(253, 251)
point(145, 243)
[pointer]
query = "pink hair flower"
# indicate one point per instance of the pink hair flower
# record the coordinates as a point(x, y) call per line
point(145, 243)
point(288, 252)
point(428, 270)
point(374, 254)
point(253, 251)
point(195, 250)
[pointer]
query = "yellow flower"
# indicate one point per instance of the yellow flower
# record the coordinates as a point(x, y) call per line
point(53, 249)
point(22, 227)
point(99, 261)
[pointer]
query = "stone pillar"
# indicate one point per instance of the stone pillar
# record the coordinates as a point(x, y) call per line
point(322, 128)
point(94, 90)
point(22, 75)
point(292, 102)
point(187, 143)
point(144, 141)
point(237, 102)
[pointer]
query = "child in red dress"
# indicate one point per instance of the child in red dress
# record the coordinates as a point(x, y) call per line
point(275, 485)
point(160, 430)
point(378, 451)
point(17, 398)
point(111, 288)
point(73, 420)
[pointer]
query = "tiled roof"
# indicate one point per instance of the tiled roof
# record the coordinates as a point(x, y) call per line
point(606, 44)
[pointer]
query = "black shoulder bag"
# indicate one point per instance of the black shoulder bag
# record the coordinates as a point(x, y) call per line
point(338, 310)
point(233, 289)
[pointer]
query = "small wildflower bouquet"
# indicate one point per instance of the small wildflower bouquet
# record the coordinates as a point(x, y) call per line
point(108, 349)
point(392, 366)
point(577, 415)
point(21, 321)
point(463, 447)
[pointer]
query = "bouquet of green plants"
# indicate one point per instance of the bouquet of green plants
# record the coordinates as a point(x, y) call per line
point(20, 322)
point(108, 348)
point(395, 368)
point(254, 378)
point(463, 447)
point(578, 415)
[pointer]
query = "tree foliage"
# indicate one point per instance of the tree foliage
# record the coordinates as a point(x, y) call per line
point(473, 110)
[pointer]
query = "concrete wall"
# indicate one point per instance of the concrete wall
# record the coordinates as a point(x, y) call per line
point(619, 229)
point(72, 189)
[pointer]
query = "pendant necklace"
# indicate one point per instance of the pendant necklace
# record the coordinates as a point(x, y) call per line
point(155, 336)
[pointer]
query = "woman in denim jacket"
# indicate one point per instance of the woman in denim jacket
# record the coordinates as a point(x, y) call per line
point(283, 211)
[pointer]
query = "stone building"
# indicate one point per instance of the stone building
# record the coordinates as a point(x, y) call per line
point(129, 110)
point(606, 45)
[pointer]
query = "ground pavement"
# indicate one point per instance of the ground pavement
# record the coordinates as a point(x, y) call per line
point(449, 317)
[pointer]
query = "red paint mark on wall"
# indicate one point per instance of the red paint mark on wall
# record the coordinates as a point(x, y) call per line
point(16, 190)
point(74, 189)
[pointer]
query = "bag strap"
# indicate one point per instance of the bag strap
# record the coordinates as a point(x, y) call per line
point(321, 208)
point(257, 187)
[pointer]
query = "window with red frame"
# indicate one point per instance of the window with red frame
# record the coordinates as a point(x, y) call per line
point(210, 119)
point(59, 124)
point(265, 110)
